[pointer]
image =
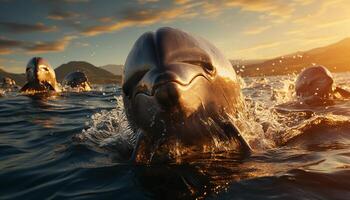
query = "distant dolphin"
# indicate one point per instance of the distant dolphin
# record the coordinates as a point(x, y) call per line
point(77, 80)
point(317, 82)
point(40, 76)
point(174, 87)
point(7, 81)
point(9, 84)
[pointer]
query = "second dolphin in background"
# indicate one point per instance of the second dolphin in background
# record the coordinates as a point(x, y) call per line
point(77, 80)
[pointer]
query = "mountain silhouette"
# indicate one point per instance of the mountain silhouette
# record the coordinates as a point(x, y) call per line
point(96, 75)
point(336, 57)
point(114, 69)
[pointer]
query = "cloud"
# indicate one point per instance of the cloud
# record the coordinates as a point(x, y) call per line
point(105, 19)
point(259, 47)
point(280, 8)
point(303, 2)
point(259, 51)
point(64, 1)
point(180, 9)
point(322, 12)
point(7, 46)
point(147, 1)
point(332, 23)
point(270, 7)
point(327, 16)
point(320, 39)
point(137, 18)
point(146, 12)
point(81, 44)
point(7, 43)
point(181, 1)
point(17, 28)
point(273, 11)
point(256, 30)
point(61, 15)
point(76, 1)
point(295, 32)
point(51, 46)
point(5, 51)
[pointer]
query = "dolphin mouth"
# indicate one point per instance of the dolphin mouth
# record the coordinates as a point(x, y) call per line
point(162, 83)
point(49, 86)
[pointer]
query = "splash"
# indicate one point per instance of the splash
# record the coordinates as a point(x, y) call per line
point(262, 126)
point(326, 120)
point(286, 92)
point(109, 130)
point(282, 125)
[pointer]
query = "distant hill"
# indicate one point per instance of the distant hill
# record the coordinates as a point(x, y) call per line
point(114, 69)
point(19, 78)
point(96, 75)
point(336, 57)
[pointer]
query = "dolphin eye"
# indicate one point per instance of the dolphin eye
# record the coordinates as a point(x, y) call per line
point(208, 67)
point(43, 68)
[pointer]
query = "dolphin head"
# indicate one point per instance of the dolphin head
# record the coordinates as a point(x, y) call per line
point(316, 81)
point(173, 80)
point(40, 72)
point(8, 82)
point(77, 80)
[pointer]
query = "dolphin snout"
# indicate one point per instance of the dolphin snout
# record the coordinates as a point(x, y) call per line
point(165, 87)
point(167, 84)
point(167, 94)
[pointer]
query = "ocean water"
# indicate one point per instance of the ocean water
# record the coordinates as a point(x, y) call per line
point(76, 146)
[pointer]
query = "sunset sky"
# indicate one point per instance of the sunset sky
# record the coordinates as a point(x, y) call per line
point(103, 31)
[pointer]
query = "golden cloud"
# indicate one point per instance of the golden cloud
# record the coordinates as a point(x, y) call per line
point(140, 18)
point(271, 7)
point(267, 7)
point(295, 32)
point(61, 15)
point(51, 46)
point(181, 1)
point(147, 1)
point(322, 39)
point(256, 30)
point(189, 9)
point(273, 11)
point(259, 47)
point(5, 51)
point(332, 23)
point(76, 1)
point(7, 46)
point(323, 12)
point(14, 27)
point(8, 43)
